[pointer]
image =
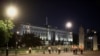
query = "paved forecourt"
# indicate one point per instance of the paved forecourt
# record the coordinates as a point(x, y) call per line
point(86, 53)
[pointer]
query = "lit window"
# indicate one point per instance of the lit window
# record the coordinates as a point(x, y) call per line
point(90, 38)
point(61, 38)
point(56, 39)
point(70, 39)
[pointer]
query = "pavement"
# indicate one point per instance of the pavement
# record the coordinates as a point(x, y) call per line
point(86, 53)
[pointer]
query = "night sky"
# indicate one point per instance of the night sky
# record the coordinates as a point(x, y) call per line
point(85, 13)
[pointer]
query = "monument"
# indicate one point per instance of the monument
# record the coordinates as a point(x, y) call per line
point(95, 44)
point(81, 36)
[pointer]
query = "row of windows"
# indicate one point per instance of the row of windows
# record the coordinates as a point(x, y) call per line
point(43, 33)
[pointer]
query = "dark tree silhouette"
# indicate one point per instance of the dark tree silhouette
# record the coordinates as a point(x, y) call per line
point(75, 39)
point(2, 38)
point(12, 41)
point(31, 40)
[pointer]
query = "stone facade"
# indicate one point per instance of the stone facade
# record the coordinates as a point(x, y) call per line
point(49, 35)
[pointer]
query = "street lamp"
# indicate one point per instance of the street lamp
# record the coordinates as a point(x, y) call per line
point(11, 12)
point(18, 37)
point(16, 42)
point(17, 32)
point(69, 26)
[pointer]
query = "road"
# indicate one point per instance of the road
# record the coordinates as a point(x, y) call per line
point(87, 53)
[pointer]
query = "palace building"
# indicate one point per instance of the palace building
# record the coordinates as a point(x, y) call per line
point(51, 36)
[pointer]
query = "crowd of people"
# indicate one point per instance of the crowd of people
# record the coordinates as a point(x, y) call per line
point(58, 49)
point(50, 49)
point(75, 49)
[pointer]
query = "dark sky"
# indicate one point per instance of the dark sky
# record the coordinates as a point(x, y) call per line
point(84, 13)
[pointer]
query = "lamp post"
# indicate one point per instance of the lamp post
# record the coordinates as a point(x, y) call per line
point(11, 12)
point(69, 26)
point(16, 42)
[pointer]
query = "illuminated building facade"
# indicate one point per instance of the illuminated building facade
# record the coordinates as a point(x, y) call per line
point(49, 35)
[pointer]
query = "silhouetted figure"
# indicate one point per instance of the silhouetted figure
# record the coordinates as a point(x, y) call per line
point(49, 50)
point(7, 51)
point(16, 52)
point(30, 50)
point(81, 48)
point(56, 49)
point(59, 50)
point(52, 49)
point(66, 49)
point(74, 48)
point(43, 50)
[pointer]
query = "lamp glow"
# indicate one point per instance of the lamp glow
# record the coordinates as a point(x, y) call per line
point(11, 11)
point(68, 24)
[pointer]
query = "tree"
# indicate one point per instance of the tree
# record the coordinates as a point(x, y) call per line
point(12, 41)
point(2, 37)
point(5, 32)
point(31, 40)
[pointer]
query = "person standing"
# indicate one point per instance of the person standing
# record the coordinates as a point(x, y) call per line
point(7, 53)
point(74, 48)
point(81, 49)
point(66, 49)
point(59, 50)
point(49, 50)
point(56, 49)
point(30, 50)
point(43, 48)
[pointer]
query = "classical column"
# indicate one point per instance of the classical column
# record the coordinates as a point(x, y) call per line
point(95, 46)
point(81, 36)
point(56, 36)
point(71, 36)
